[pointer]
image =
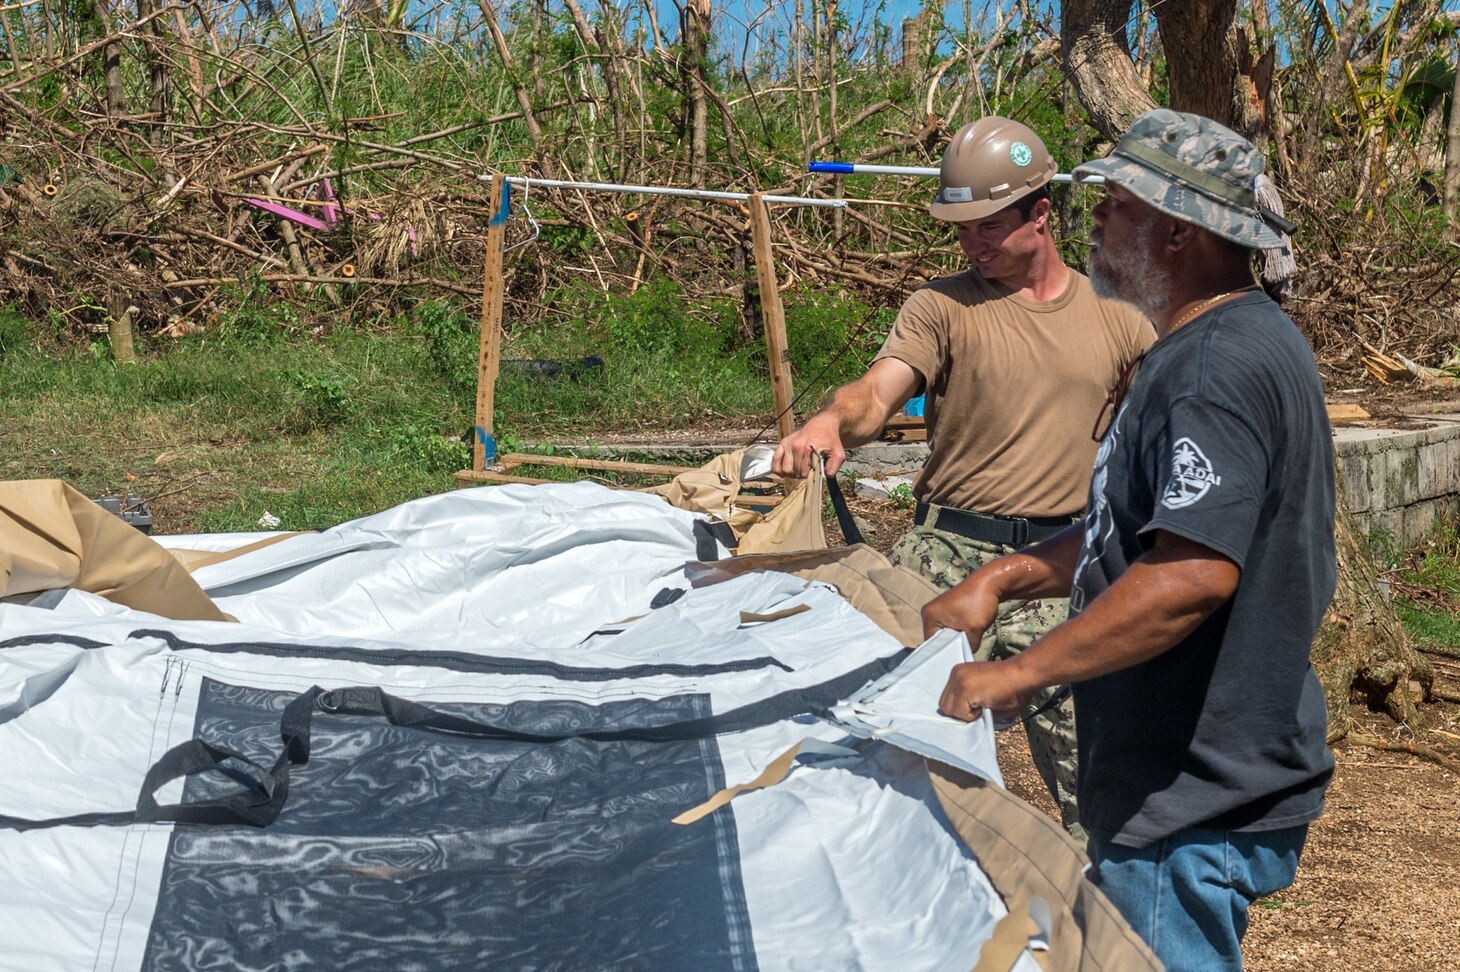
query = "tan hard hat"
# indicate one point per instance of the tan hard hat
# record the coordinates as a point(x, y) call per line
point(989, 165)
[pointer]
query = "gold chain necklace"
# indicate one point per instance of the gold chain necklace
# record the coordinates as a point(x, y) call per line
point(1206, 305)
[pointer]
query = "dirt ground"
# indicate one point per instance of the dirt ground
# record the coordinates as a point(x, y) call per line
point(1378, 888)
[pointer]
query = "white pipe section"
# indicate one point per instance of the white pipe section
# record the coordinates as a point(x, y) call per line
point(669, 191)
point(857, 168)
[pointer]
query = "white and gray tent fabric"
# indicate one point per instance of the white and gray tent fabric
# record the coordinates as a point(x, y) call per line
point(454, 735)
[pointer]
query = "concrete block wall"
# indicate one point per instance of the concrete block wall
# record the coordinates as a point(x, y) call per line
point(1402, 480)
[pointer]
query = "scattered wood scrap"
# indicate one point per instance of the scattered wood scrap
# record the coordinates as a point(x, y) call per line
point(905, 428)
point(1388, 369)
point(1346, 413)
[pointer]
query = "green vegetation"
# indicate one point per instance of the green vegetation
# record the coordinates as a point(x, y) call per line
point(1430, 579)
point(259, 415)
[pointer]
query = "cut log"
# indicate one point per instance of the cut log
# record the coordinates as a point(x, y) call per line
point(1361, 653)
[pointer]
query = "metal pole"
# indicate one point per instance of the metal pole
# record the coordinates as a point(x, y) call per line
point(671, 191)
point(857, 168)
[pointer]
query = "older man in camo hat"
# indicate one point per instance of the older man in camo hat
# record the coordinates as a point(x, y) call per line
point(1203, 566)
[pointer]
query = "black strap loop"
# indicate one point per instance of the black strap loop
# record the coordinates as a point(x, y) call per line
point(844, 519)
point(257, 805)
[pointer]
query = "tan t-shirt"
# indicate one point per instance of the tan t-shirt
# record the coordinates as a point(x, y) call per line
point(1013, 389)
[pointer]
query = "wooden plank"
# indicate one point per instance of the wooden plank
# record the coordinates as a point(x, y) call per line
point(489, 356)
point(906, 422)
point(773, 315)
point(488, 476)
point(1340, 412)
point(573, 462)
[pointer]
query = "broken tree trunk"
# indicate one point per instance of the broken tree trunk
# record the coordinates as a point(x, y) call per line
point(1361, 653)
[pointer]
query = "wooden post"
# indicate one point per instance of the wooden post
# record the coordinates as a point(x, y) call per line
point(489, 360)
point(119, 333)
point(774, 316)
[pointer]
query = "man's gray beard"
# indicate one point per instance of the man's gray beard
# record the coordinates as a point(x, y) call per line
point(1138, 282)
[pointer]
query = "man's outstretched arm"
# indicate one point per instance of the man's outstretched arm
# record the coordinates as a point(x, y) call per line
point(855, 415)
point(1156, 603)
point(1046, 569)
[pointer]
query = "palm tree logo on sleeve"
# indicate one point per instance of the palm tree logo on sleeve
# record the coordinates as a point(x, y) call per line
point(1191, 475)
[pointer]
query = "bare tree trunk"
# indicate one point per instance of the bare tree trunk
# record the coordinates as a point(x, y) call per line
point(1097, 59)
point(1452, 154)
point(534, 130)
point(111, 66)
point(1208, 61)
point(1361, 652)
point(798, 53)
point(539, 44)
point(1276, 124)
point(1334, 73)
point(596, 42)
point(912, 43)
point(195, 69)
point(10, 44)
point(610, 41)
point(152, 47)
point(695, 35)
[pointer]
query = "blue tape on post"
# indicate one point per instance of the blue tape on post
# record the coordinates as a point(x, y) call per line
point(842, 168)
point(500, 216)
point(488, 442)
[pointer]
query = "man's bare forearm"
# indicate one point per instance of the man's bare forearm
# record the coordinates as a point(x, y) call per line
point(1046, 569)
point(859, 415)
point(1154, 605)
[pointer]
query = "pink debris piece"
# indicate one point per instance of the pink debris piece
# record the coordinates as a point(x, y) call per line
point(284, 212)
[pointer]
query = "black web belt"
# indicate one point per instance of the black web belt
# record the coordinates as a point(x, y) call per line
point(1010, 531)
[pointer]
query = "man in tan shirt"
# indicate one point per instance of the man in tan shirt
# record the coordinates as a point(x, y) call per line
point(1016, 356)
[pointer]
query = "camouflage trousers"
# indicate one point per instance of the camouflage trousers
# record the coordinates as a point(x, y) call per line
point(947, 558)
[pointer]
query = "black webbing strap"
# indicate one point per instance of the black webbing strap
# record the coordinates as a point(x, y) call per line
point(709, 532)
point(259, 803)
point(844, 518)
point(815, 699)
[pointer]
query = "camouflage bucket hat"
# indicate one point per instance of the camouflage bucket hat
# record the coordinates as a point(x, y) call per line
point(1192, 168)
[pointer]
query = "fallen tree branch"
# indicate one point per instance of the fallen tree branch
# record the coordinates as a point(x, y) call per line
point(307, 278)
point(1417, 750)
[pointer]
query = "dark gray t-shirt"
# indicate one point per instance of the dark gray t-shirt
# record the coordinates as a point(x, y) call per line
point(1224, 440)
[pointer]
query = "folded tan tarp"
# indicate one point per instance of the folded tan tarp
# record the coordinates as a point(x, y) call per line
point(52, 537)
point(793, 524)
point(1039, 871)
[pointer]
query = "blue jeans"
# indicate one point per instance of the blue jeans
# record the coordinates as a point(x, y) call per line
point(1187, 894)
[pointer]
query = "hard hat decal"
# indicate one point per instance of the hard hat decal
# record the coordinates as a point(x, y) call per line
point(953, 194)
point(1020, 154)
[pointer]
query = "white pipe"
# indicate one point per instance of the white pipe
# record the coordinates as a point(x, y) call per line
point(668, 191)
point(857, 168)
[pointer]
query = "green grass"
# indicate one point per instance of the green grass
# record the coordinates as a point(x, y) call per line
point(1436, 566)
point(257, 415)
